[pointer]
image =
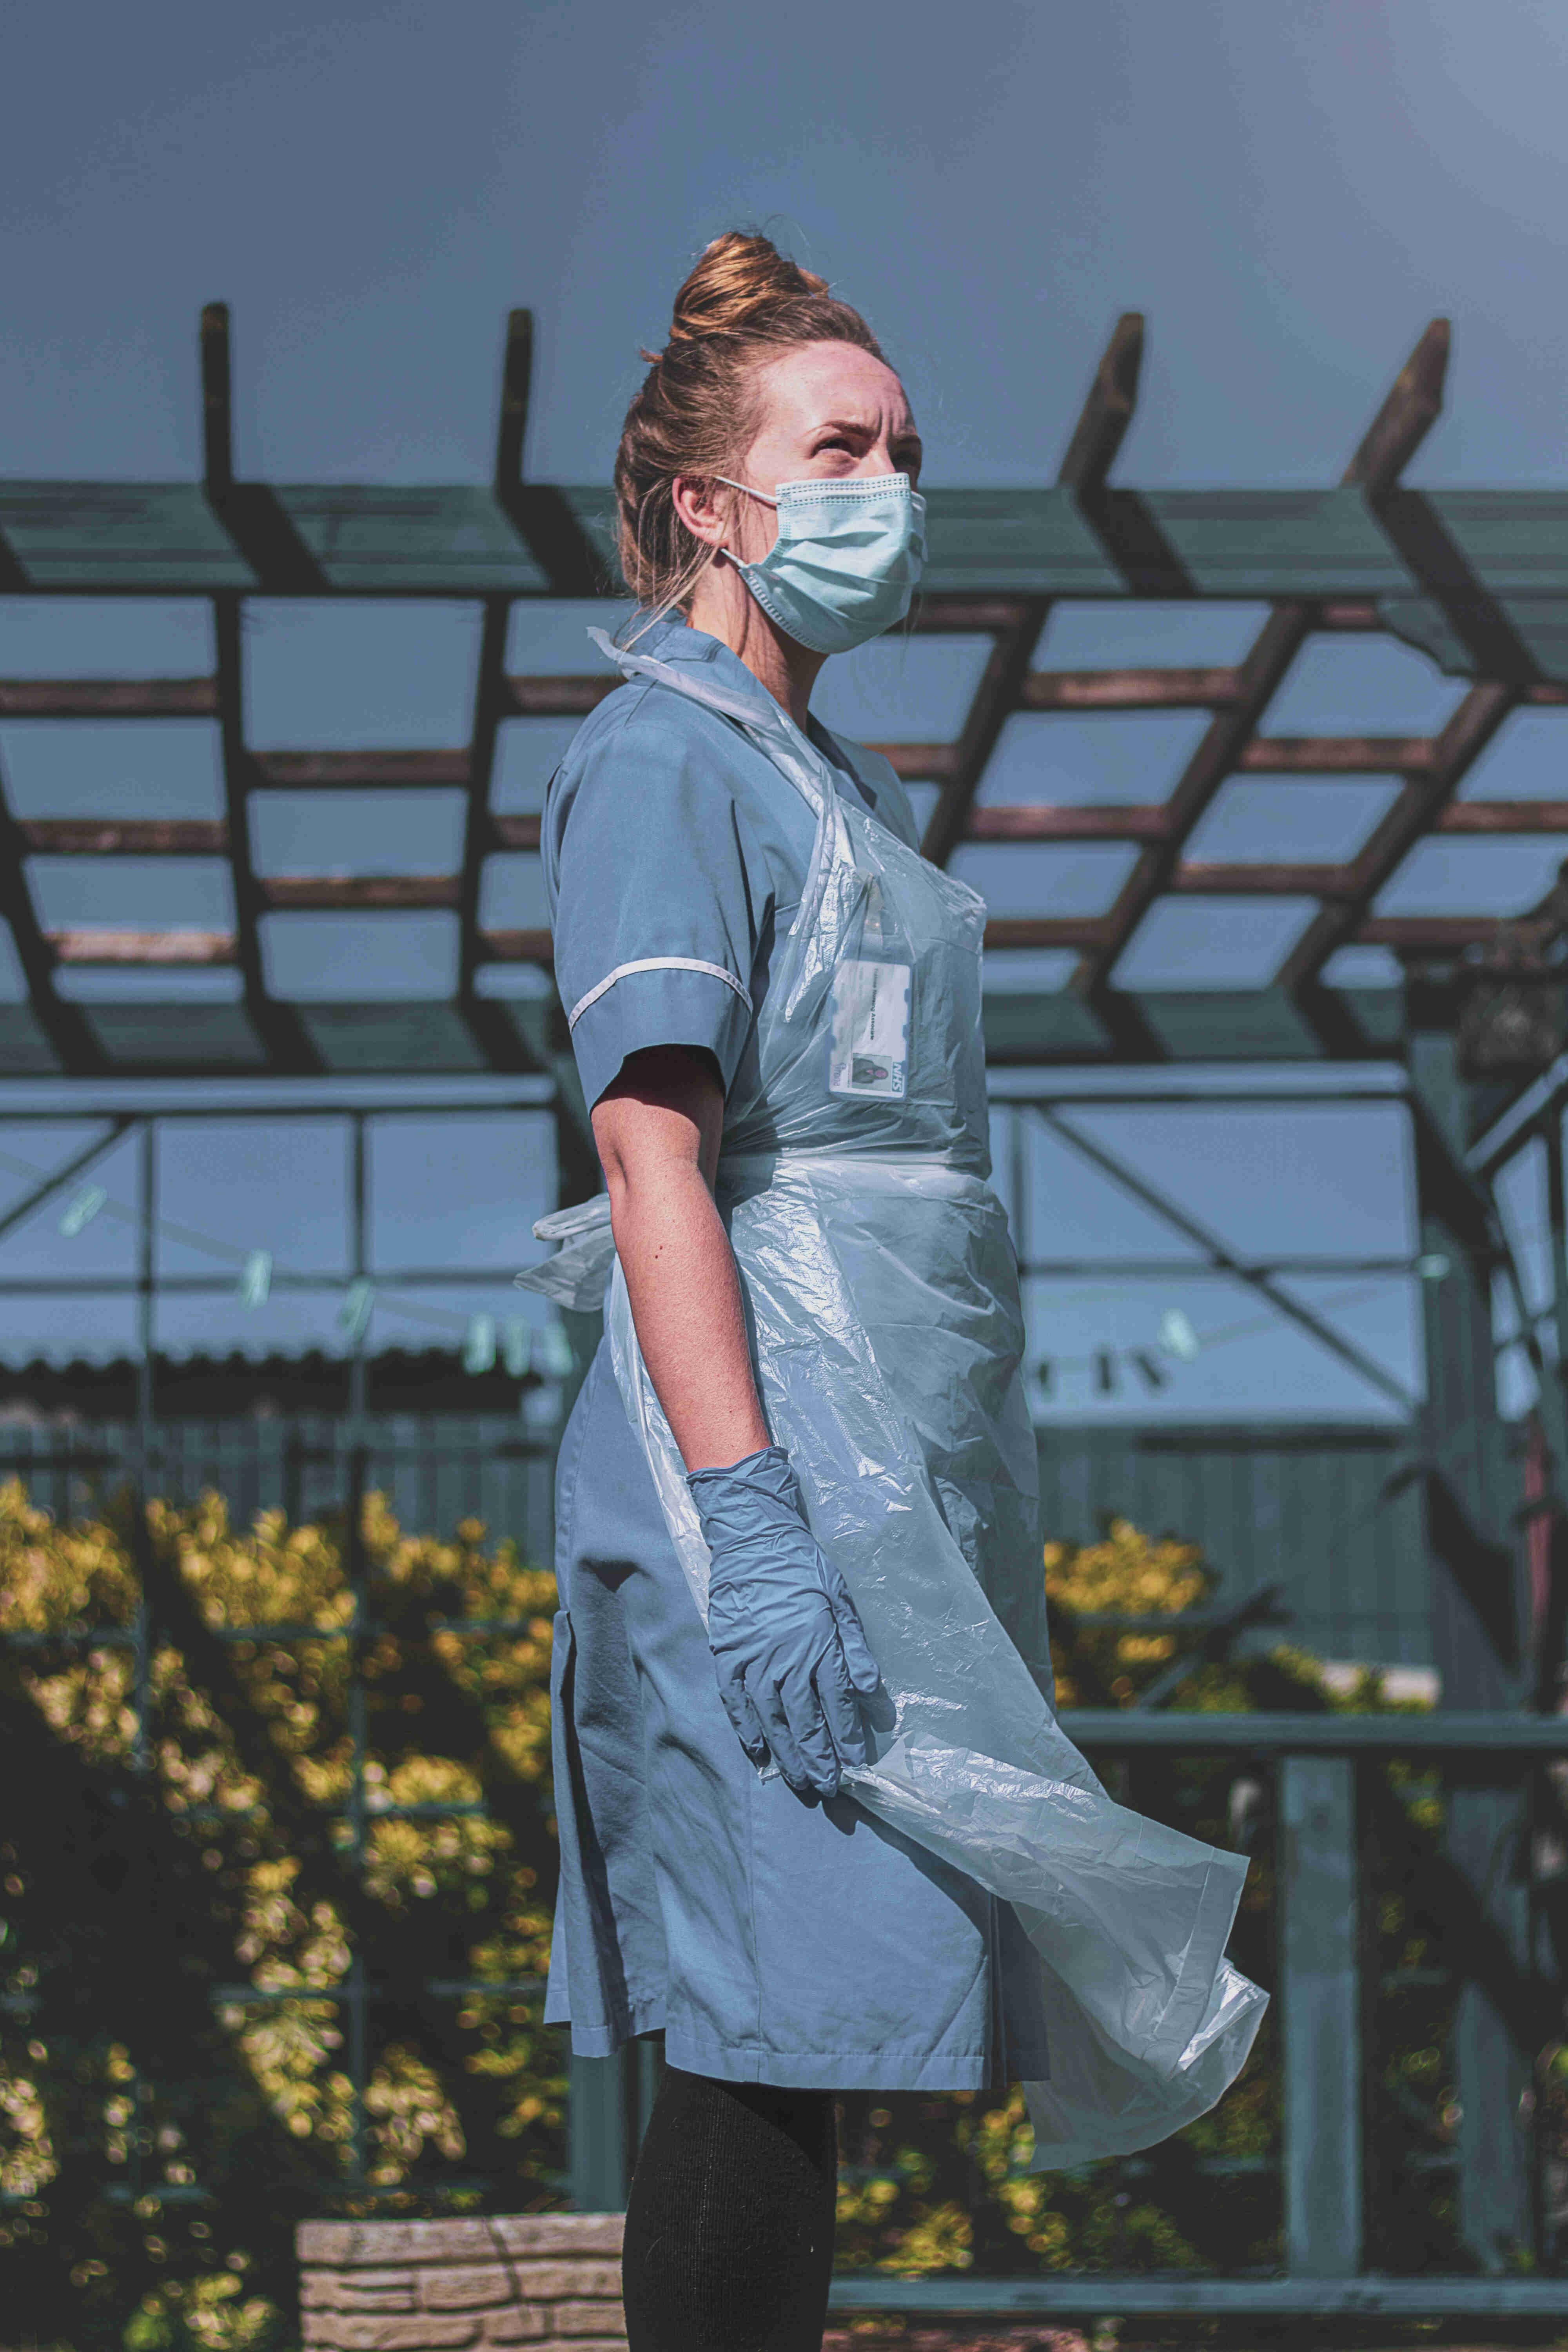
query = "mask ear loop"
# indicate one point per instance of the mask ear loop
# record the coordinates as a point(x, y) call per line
point(762, 495)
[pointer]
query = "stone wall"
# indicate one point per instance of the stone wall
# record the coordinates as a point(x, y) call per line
point(546, 2282)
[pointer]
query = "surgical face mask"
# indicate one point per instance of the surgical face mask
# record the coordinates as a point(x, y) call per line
point(846, 561)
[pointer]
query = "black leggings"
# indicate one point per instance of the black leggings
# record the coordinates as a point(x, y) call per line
point(729, 2240)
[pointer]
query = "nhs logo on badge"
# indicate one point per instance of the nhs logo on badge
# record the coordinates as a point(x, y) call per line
point(869, 1049)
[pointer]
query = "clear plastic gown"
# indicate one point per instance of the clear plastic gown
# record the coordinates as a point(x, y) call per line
point(882, 1289)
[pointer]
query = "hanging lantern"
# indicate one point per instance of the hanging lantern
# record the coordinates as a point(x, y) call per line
point(1512, 1023)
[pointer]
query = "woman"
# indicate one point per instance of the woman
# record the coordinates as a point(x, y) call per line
point(806, 1426)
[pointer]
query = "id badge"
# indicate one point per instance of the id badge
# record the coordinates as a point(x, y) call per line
point(869, 1053)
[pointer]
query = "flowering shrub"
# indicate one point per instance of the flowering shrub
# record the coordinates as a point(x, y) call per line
point(194, 1820)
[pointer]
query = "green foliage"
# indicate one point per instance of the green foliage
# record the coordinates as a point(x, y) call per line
point(191, 1823)
point(208, 1840)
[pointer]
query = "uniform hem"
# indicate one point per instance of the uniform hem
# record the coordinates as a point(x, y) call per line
point(839, 2070)
point(808, 2070)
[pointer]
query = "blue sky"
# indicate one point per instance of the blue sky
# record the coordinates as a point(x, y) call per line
point(1290, 192)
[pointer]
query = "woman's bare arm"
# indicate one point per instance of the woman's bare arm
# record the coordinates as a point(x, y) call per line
point(657, 1130)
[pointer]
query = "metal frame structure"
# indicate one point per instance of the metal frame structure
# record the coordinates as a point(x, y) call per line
point(1478, 580)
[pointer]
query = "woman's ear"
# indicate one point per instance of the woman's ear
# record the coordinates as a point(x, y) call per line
point(697, 502)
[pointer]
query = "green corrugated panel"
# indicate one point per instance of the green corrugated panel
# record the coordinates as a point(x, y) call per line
point(1279, 543)
point(594, 512)
point(454, 539)
point(1539, 624)
point(24, 1048)
point(1296, 1506)
point(114, 536)
point(1002, 541)
point(203, 1036)
point(1042, 1029)
point(1515, 546)
point(1378, 1013)
point(1223, 1025)
point(391, 1036)
point(438, 541)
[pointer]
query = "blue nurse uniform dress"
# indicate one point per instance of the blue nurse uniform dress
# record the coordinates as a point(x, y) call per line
point(771, 1938)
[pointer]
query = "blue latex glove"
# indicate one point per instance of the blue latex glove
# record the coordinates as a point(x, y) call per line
point(785, 1636)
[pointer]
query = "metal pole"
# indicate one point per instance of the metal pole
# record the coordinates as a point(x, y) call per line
point(1319, 2009)
point(142, 1436)
point(357, 1989)
point(1480, 1607)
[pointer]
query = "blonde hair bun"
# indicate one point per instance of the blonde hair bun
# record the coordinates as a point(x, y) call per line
point(738, 282)
point(743, 305)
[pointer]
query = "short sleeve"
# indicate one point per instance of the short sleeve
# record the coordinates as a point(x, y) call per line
point(656, 891)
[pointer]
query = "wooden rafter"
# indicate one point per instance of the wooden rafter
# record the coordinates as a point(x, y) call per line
point(1321, 565)
point(282, 1034)
point(1098, 435)
point(1395, 433)
point(1420, 804)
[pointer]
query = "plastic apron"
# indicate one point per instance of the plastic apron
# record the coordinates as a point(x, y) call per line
point(882, 1289)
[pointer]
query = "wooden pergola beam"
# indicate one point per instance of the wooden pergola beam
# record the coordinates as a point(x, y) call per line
point(1112, 821)
point(169, 950)
point(257, 521)
point(363, 770)
point(1098, 435)
point(1129, 690)
point(1395, 433)
point(1336, 755)
point(92, 836)
point(363, 893)
point(556, 697)
point(109, 697)
point(1421, 803)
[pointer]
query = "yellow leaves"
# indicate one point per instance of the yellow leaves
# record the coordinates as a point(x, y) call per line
point(408, 2109)
point(1128, 1571)
point(52, 1577)
point(27, 2161)
point(489, 1694)
point(213, 2310)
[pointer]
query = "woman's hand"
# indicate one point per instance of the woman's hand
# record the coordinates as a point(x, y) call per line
point(785, 1634)
point(786, 1641)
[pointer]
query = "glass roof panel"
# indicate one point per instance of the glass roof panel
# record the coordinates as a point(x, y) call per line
point(902, 689)
point(550, 640)
point(1086, 761)
point(528, 753)
point(1201, 942)
point(1523, 761)
point(133, 894)
point(1474, 877)
point(1088, 634)
point(1028, 878)
point(337, 959)
point(104, 636)
point(1311, 819)
point(1354, 685)
point(112, 767)
point(1363, 968)
point(511, 894)
point(414, 832)
point(357, 673)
